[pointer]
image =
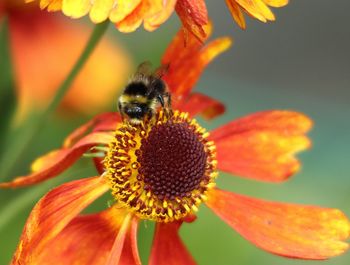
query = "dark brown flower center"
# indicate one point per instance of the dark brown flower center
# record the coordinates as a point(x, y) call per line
point(172, 160)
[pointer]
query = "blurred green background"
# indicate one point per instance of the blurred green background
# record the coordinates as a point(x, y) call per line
point(300, 62)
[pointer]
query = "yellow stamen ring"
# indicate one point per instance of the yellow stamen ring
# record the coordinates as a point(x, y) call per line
point(161, 169)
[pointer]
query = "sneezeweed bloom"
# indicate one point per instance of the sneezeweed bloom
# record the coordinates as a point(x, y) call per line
point(129, 15)
point(45, 47)
point(164, 169)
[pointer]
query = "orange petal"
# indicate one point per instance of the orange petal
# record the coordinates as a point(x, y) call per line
point(289, 122)
point(103, 122)
point(57, 161)
point(124, 250)
point(130, 254)
point(261, 146)
point(155, 20)
point(122, 9)
point(152, 12)
point(87, 239)
point(181, 48)
point(236, 13)
point(194, 17)
point(296, 231)
point(167, 248)
point(131, 22)
point(200, 104)
point(33, 59)
point(186, 64)
point(53, 213)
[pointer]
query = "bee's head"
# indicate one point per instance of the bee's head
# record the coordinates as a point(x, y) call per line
point(136, 111)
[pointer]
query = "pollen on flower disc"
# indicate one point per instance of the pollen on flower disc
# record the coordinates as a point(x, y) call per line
point(173, 160)
point(161, 169)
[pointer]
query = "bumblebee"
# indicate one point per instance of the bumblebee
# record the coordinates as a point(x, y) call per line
point(144, 94)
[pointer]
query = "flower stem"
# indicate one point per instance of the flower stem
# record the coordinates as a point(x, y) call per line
point(14, 154)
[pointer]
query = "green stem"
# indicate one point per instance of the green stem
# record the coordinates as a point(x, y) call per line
point(14, 154)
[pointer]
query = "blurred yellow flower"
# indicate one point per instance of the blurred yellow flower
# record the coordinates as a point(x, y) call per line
point(129, 15)
point(45, 47)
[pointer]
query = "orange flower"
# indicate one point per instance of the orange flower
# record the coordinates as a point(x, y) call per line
point(129, 15)
point(163, 169)
point(42, 59)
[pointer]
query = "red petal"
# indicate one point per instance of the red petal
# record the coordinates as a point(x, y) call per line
point(194, 17)
point(85, 240)
point(103, 122)
point(124, 249)
point(296, 231)
point(130, 254)
point(57, 161)
point(53, 213)
point(181, 47)
point(200, 104)
point(187, 63)
point(262, 145)
point(167, 248)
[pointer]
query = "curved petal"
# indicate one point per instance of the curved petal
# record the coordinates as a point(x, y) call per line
point(154, 21)
point(256, 9)
point(194, 16)
point(130, 254)
point(57, 161)
point(132, 21)
point(151, 12)
point(200, 104)
point(262, 146)
point(183, 47)
point(296, 231)
point(103, 122)
point(167, 248)
point(124, 250)
point(236, 13)
point(122, 9)
point(53, 213)
point(87, 239)
point(100, 10)
point(186, 64)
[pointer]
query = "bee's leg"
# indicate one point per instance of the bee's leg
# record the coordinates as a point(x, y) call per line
point(161, 100)
point(168, 96)
point(168, 108)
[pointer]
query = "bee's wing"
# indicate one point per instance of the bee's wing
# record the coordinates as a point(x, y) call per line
point(144, 68)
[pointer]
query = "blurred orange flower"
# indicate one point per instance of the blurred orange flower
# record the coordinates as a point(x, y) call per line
point(44, 48)
point(163, 169)
point(129, 15)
